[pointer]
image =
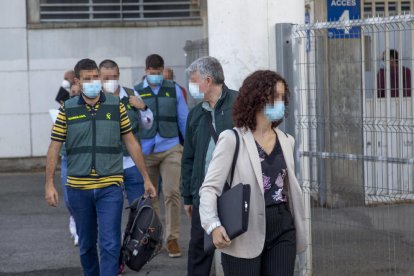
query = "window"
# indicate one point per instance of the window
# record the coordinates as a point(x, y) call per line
point(117, 10)
point(383, 8)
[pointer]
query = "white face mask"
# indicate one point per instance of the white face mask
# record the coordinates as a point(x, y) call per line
point(110, 86)
point(194, 89)
point(66, 85)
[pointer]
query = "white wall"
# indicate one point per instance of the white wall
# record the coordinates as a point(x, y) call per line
point(15, 130)
point(242, 33)
point(32, 63)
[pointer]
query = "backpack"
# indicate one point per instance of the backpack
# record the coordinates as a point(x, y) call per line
point(143, 234)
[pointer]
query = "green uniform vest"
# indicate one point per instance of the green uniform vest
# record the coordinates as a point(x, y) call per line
point(93, 142)
point(164, 108)
point(134, 117)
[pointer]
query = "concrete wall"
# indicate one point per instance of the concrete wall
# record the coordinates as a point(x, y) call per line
point(15, 119)
point(339, 79)
point(33, 60)
point(242, 33)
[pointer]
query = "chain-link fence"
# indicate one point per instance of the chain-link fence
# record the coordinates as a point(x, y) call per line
point(354, 124)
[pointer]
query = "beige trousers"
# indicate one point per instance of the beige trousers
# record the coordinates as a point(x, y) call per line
point(168, 164)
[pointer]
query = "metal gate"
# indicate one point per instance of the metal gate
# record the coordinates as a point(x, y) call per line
point(353, 120)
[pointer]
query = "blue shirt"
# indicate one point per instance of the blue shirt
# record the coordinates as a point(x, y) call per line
point(161, 144)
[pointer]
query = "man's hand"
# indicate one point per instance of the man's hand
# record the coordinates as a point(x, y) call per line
point(188, 210)
point(220, 238)
point(51, 195)
point(149, 188)
point(136, 102)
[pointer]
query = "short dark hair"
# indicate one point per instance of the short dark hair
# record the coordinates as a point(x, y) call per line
point(108, 64)
point(393, 54)
point(254, 94)
point(154, 61)
point(84, 64)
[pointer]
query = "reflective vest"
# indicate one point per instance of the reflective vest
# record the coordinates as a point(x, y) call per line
point(93, 142)
point(164, 107)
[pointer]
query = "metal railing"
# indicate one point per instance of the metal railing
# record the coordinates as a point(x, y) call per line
point(355, 146)
point(117, 10)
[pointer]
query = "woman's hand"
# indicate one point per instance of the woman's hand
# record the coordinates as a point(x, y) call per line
point(220, 238)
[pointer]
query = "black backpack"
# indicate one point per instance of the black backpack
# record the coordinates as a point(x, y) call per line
point(143, 234)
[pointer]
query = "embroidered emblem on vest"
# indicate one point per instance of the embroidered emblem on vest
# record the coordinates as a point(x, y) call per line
point(108, 116)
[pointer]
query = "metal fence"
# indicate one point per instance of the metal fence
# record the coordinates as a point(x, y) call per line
point(117, 10)
point(354, 128)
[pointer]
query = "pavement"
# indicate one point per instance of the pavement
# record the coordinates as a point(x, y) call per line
point(353, 240)
point(35, 240)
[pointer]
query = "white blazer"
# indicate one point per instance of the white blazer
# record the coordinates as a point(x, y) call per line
point(249, 171)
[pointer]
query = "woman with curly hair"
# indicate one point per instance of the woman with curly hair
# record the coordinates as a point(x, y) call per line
point(276, 230)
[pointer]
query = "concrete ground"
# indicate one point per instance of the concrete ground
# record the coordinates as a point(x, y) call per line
point(356, 240)
point(35, 240)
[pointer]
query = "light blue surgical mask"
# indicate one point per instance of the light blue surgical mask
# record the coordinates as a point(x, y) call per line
point(194, 89)
point(155, 79)
point(91, 89)
point(275, 112)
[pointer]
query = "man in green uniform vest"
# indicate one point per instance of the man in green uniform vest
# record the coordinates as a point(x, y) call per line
point(140, 116)
point(160, 143)
point(93, 126)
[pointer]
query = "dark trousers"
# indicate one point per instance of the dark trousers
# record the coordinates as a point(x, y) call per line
point(279, 252)
point(199, 263)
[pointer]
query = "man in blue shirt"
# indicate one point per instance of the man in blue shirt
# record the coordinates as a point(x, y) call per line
point(160, 143)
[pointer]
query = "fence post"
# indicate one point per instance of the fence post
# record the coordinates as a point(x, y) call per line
point(285, 61)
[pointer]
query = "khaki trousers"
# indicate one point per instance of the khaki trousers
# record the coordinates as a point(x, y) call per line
point(168, 164)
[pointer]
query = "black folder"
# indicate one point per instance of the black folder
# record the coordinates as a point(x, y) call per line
point(233, 211)
point(232, 206)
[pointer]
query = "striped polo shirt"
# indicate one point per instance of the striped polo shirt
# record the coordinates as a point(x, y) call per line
point(92, 181)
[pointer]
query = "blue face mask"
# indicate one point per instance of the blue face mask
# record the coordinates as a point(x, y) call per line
point(155, 79)
point(275, 112)
point(91, 89)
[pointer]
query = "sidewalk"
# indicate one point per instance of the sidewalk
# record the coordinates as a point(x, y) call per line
point(34, 238)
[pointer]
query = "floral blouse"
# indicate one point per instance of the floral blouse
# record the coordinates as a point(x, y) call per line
point(274, 171)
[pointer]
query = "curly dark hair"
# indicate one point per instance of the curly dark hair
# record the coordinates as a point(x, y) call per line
point(257, 90)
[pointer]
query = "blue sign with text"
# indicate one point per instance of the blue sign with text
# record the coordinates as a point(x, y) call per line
point(344, 10)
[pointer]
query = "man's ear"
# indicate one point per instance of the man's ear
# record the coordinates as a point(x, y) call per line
point(77, 81)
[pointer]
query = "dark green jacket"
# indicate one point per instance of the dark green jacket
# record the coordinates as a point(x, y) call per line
point(197, 138)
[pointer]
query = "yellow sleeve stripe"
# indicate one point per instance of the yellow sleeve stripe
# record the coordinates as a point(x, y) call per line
point(58, 139)
point(59, 129)
point(125, 123)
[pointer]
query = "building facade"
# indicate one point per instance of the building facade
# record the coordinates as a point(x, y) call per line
point(41, 39)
